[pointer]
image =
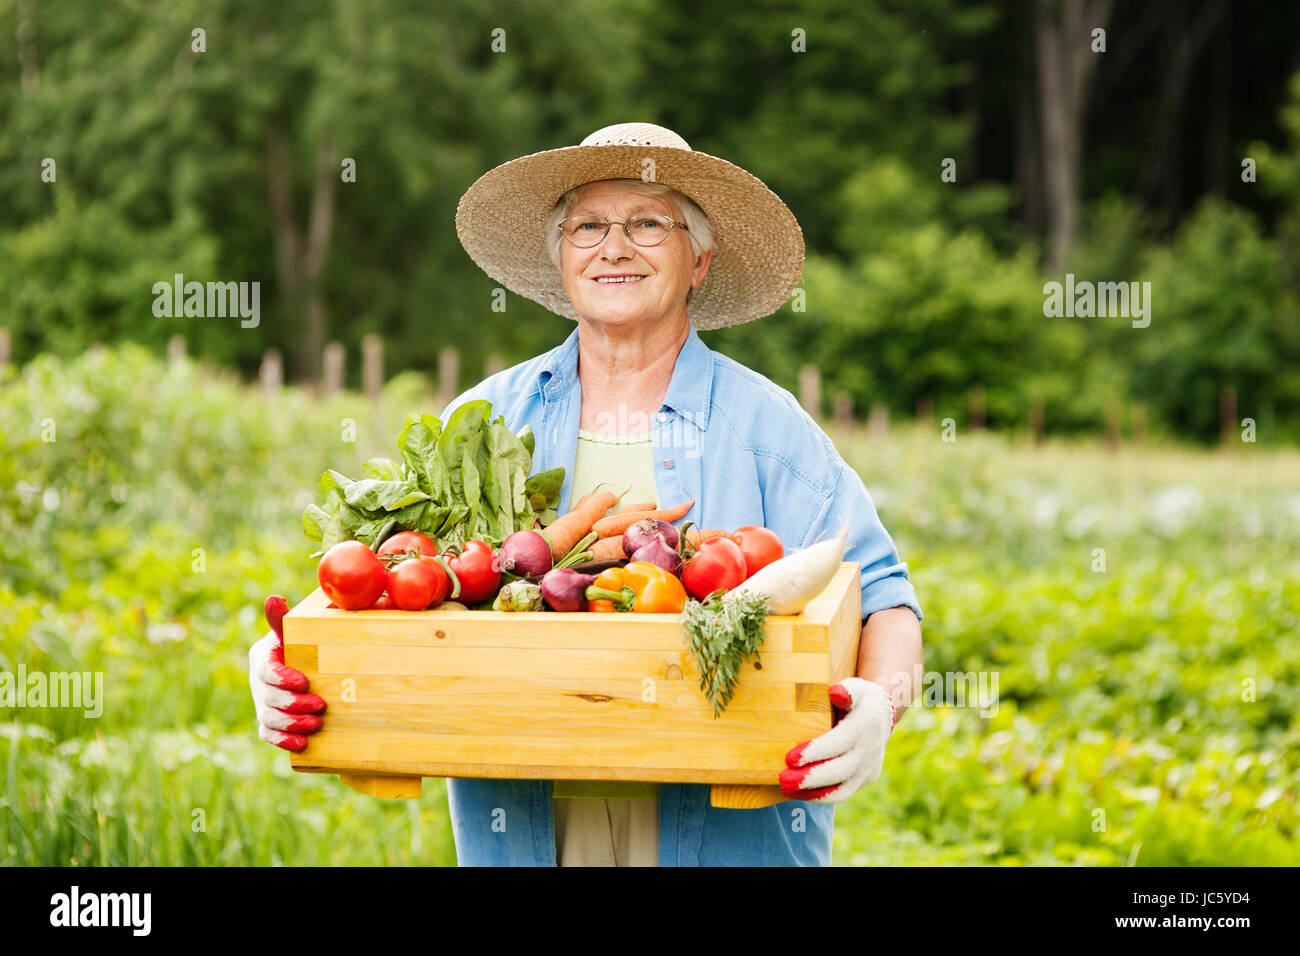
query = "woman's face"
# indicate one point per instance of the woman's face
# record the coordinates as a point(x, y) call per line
point(669, 268)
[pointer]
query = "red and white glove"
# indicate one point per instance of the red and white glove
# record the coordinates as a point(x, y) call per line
point(836, 765)
point(285, 713)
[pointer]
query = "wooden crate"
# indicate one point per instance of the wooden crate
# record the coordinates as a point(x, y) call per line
point(545, 695)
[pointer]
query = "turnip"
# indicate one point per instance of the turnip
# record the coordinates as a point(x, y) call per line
point(789, 583)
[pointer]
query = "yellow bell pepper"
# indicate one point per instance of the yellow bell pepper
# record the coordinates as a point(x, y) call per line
point(638, 586)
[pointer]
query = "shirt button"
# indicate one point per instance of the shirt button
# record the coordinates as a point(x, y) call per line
point(663, 416)
point(668, 462)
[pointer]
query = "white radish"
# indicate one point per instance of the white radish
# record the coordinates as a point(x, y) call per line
point(789, 583)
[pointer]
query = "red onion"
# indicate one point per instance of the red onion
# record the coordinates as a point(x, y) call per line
point(564, 589)
point(658, 552)
point(637, 536)
point(526, 554)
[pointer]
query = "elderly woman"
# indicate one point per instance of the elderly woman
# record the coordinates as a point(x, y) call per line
point(647, 242)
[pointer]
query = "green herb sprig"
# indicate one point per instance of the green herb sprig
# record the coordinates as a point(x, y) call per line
point(722, 633)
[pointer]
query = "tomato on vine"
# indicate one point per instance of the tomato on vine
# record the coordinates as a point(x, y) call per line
point(761, 547)
point(351, 575)
point(478, 568)
point(719, 564)
point(419, 582)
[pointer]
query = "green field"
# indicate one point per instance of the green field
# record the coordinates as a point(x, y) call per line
point(1146, 712)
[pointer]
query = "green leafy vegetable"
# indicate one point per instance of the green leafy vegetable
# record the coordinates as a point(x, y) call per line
point(465, 479)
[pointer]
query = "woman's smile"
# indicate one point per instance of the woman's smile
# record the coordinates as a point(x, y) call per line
point(619, 281)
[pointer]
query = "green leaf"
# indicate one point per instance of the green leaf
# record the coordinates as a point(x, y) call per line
point(373, 494)
point(547, 483)
point(462, 432)
point(418, 442)
point(376, 531)
point(470, 484)
point(314, 522)
point(381, 468)
point(332, 481)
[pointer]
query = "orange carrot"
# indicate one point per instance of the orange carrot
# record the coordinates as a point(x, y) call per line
point(568, 529)
point(647, 506)
point(697, 537)
point(608, 549)
point(617, 524)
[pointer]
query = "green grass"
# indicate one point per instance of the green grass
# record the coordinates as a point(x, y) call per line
point(1121, 734)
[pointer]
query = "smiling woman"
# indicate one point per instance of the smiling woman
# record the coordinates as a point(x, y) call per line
point(635, 394)
point(677, 206)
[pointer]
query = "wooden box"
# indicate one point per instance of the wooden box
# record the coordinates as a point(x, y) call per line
point(546, 695)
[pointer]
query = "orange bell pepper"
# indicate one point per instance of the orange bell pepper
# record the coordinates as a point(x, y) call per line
point(639, 586)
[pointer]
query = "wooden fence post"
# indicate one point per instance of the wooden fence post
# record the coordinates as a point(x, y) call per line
point(333, 360)
point(843, 411)
point(1036, 421)
point(272, 373)
point(493, 365)
point(176, 349)
point(448, 375)
point(878, 421)
point(1228, 417)
point(810, 390)
point(1114, 423)
point(1139, 414)
point(6, 346)
point(924, 410)
point(977, 419)
point(372, 366)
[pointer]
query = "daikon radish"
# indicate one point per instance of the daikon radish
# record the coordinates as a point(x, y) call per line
point(789, 583)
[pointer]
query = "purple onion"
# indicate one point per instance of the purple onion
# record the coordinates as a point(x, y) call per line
point(526, 554)
point(658, 552)
point(637, 536)
point(564, 589)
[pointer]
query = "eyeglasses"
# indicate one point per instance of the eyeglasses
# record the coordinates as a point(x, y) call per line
point(646, 229)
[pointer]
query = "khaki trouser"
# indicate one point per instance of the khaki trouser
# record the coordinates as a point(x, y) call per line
point(593, 832)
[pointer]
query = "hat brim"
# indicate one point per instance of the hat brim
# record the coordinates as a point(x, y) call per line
point(758, 246)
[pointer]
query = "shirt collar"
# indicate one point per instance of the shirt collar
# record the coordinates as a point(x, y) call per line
point(689, 391)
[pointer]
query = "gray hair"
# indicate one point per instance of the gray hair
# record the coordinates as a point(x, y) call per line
point(698, 229)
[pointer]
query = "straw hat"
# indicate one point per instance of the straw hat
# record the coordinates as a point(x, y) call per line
point(758, 247)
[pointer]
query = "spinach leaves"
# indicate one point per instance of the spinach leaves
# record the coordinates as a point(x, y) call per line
point(464, 480)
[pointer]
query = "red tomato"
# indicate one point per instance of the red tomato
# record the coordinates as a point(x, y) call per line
point(417, 583)
point(351, 575)
point(760, 545)
point(719, 563)
point(383, 603)
point(408, 541)
point(478, 569)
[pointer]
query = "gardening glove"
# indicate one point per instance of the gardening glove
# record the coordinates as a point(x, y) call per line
point(285, 713)
point(833, 767)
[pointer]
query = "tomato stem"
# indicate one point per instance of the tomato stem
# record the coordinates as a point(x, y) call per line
point(451, 574)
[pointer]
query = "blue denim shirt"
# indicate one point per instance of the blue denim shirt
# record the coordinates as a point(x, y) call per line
point(745, 452)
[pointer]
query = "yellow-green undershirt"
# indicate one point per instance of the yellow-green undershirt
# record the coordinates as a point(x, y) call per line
point(614, 462)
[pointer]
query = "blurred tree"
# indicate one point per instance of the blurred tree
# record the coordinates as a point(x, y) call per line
point(246, 133)
point(1221, 318)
